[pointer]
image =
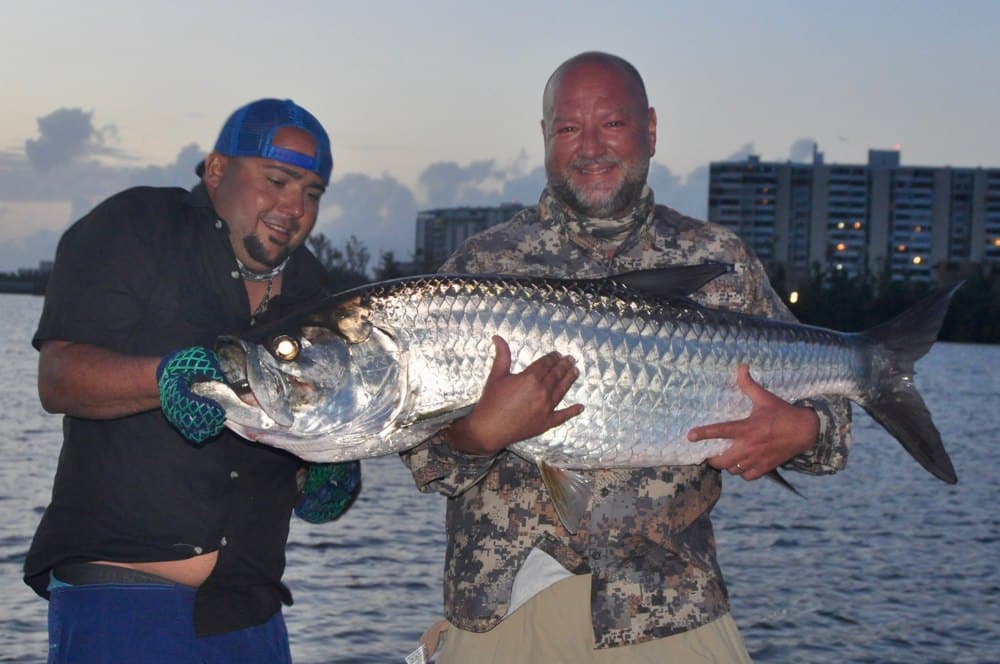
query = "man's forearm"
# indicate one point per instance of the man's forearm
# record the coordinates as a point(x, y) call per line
point(95, 383)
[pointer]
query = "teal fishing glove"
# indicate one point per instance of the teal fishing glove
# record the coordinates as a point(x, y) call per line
point(197, 418)
point(328, 491)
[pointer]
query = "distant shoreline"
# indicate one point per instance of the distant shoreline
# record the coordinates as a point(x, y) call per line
point(23, 286)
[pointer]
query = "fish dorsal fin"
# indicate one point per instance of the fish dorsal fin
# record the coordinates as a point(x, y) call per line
point(674, 281)
point(570, 493)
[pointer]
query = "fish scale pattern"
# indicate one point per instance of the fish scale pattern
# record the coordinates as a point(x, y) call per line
point(650, 368)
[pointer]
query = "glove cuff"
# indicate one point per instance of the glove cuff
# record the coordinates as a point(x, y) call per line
point(193, 361)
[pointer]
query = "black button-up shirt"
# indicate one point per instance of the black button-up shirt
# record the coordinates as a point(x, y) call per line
point(147, 272)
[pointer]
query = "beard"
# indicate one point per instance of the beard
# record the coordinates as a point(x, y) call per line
point(255, 249)
point(596, 204)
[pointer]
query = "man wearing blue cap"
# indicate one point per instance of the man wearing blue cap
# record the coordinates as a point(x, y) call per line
point(164, 539)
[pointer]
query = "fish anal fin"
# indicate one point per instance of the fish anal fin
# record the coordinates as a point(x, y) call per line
point(570, 493)
point(776, 477)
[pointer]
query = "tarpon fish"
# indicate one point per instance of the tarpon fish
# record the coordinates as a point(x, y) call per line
point(378, 369)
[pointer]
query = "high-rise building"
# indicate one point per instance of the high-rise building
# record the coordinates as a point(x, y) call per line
point(872, 218)
point(440, 231)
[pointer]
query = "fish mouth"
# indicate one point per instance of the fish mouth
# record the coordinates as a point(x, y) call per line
point(254, 379)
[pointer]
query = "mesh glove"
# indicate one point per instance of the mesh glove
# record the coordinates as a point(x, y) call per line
point(328, 490)
point(196, 417)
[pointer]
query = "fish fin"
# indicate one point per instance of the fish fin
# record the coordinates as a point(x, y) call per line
point(570, 493)
point(674, 281)
point(896, 404)
point(776, 477)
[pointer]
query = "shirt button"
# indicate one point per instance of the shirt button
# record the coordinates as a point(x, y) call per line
point(235, 274)
point(198, 550)
point(223, 541)
point(233, 475)
point(218, 224)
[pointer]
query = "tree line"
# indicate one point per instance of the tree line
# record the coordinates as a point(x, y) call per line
point(854, 303)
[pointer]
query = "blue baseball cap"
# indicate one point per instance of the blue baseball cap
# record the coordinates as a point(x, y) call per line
point(249, 130)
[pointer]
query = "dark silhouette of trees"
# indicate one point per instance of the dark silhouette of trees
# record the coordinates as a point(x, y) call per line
point(347, 267)
point(852, 304)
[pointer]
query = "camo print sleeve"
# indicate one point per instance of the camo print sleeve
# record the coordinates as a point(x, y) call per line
point(438, 468)
point(829, 454)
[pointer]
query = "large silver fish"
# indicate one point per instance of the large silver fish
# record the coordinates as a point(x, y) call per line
point(376, 370)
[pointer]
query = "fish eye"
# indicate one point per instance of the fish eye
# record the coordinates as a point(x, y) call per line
point(285, 348)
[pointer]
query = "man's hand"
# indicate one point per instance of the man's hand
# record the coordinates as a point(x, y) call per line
point(515, 407)
point(328, 489)
point(774, 432)
point(197, 418)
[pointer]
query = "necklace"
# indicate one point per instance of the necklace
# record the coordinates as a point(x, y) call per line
point(268, 276)
point(250, 275)
point(264, 301)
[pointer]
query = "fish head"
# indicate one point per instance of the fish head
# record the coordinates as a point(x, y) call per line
point(327, 374)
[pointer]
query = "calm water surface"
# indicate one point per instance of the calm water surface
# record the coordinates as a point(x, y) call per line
point(879, 563)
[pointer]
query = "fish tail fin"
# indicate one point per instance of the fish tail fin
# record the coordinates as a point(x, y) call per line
point(570, 493)
point(897, 405)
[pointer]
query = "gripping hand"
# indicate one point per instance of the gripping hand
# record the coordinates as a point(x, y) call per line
point(328, 490)
point(197, 418)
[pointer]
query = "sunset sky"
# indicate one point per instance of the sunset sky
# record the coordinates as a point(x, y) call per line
point(433, 104)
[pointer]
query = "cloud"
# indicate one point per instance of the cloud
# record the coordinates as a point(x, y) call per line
point(67, 135)
point(446, 184)
point(484, 182)
point(802, 150)
point(379, 211)
point(178, 174)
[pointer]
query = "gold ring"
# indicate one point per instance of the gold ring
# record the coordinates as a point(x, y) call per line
point(739, 468)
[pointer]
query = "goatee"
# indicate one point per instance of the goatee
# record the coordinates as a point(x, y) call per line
point(255, 249)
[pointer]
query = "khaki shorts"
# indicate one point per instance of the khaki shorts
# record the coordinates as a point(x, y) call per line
point(555, 626)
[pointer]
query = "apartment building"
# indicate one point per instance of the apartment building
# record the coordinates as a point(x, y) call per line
point(872, 218)
point(441, 231)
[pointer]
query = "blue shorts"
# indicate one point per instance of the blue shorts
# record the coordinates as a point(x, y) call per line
point(149, 623)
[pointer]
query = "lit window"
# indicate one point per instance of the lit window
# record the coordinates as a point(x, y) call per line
point(840, 224)
point(857, 225)
point(901, 247)
point(793, 297)
point(841, 246)
point(917, 260)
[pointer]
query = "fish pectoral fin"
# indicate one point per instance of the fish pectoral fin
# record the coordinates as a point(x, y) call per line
point(570, 493)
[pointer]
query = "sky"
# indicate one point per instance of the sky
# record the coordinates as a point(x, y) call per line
point(436, 104)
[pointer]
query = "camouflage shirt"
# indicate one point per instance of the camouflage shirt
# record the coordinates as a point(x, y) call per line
point(648, 540)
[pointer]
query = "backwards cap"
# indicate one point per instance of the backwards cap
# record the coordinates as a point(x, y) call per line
point(248, 133)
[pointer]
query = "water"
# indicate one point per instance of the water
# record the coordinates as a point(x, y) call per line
point(880, 563)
